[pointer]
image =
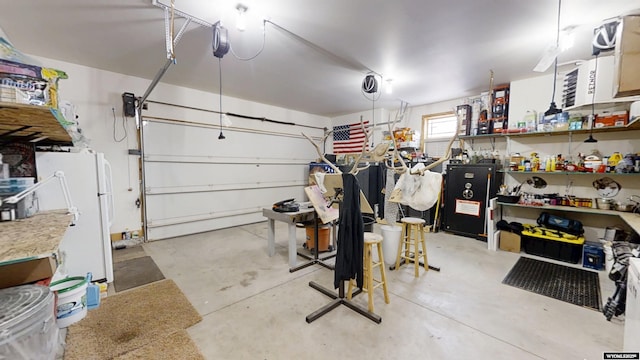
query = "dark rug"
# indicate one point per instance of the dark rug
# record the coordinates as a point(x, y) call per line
point(135, 272)
point(575, 286)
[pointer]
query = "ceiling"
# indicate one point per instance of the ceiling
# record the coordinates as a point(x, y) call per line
point(317, 53)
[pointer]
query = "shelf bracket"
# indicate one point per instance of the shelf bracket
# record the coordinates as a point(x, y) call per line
point(6, 137)
point(14, 131)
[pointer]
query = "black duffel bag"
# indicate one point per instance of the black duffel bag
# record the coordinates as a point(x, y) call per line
point(573, 227)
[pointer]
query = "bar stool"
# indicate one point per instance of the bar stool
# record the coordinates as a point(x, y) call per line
point(369, 281)
point(413, 234)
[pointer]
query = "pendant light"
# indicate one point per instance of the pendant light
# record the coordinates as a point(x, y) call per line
point(552, 107)
point(591, 139)
point(221, 136)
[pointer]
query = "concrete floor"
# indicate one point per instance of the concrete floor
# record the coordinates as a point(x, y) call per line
point(253, 308)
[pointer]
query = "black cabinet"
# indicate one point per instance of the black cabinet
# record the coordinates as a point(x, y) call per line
point(467, 191)
point(371, 181)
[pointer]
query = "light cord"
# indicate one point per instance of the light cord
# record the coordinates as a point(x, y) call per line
point(264, 36)
point(221, 136)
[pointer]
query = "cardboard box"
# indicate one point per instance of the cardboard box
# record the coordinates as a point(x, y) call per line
point(509, 241)
point(618, 118)
point(26, 272)
point(627, 58)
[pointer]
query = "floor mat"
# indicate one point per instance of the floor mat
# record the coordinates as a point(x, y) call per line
point(131, 320)
point(135, 272)
point(128, 253)
point(576, 286)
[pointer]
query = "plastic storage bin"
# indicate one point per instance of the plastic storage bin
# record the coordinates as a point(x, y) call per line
point(27, 323)
point(563, 249)
point(12, 186)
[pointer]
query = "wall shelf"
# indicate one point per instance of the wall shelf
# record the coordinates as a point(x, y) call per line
point(573, 209)
point(602, 103)
point(540, 173)
point(31, 123)
point(634, 125)
point(632, 219)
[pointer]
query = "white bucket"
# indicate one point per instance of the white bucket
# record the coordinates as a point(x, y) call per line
point(608, 257)
point(71, 305)
point(391, 241)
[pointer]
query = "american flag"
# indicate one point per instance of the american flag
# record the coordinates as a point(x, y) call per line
point(348, 138)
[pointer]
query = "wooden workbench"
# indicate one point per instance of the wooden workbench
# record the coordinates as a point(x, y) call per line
point(29, 247)
point(32, 238)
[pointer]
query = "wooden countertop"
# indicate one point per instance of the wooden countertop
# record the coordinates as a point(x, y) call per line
point(34, 237)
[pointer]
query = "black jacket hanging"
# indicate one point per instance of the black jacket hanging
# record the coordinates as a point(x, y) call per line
point(350, 234)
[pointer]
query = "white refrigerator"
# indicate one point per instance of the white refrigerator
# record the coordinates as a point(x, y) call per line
point(86, 247)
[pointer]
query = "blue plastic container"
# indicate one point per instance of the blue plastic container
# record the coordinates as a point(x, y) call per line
point(93, 293)
point(593, 256)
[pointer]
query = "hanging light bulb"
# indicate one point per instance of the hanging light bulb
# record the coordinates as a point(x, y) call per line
point(567, 39)
point(241, 23)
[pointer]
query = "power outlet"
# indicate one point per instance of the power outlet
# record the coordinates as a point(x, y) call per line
point(129, 104)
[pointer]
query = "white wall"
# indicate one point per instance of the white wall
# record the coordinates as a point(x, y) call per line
point(95, 92)
point(533, 94)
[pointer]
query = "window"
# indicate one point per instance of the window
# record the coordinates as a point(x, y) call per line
point(438, 130)
point(439, 126)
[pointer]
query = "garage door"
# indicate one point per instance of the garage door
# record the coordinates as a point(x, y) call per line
point(196, 182)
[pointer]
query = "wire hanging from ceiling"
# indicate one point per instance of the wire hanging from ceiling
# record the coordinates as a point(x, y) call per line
point(124, 126)
point(552, 107)
point(221, 136)
point(591, 139)
point(264, 37)
point(370, 86)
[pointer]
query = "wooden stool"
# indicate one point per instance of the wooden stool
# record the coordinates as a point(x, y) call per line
point(369, 281)
point(412, 234)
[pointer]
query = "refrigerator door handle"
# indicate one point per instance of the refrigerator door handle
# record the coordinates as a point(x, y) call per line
point(109, 192)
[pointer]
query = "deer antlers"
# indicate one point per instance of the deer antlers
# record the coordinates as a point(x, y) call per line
point(324, 159)
point(404, 168)
point(396, 156)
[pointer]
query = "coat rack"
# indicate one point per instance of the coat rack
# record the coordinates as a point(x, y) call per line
point(340, 298)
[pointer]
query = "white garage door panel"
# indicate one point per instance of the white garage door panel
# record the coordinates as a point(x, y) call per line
point(196, 210)
point(187, 204)
point(167, 177)
point(173, 140)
